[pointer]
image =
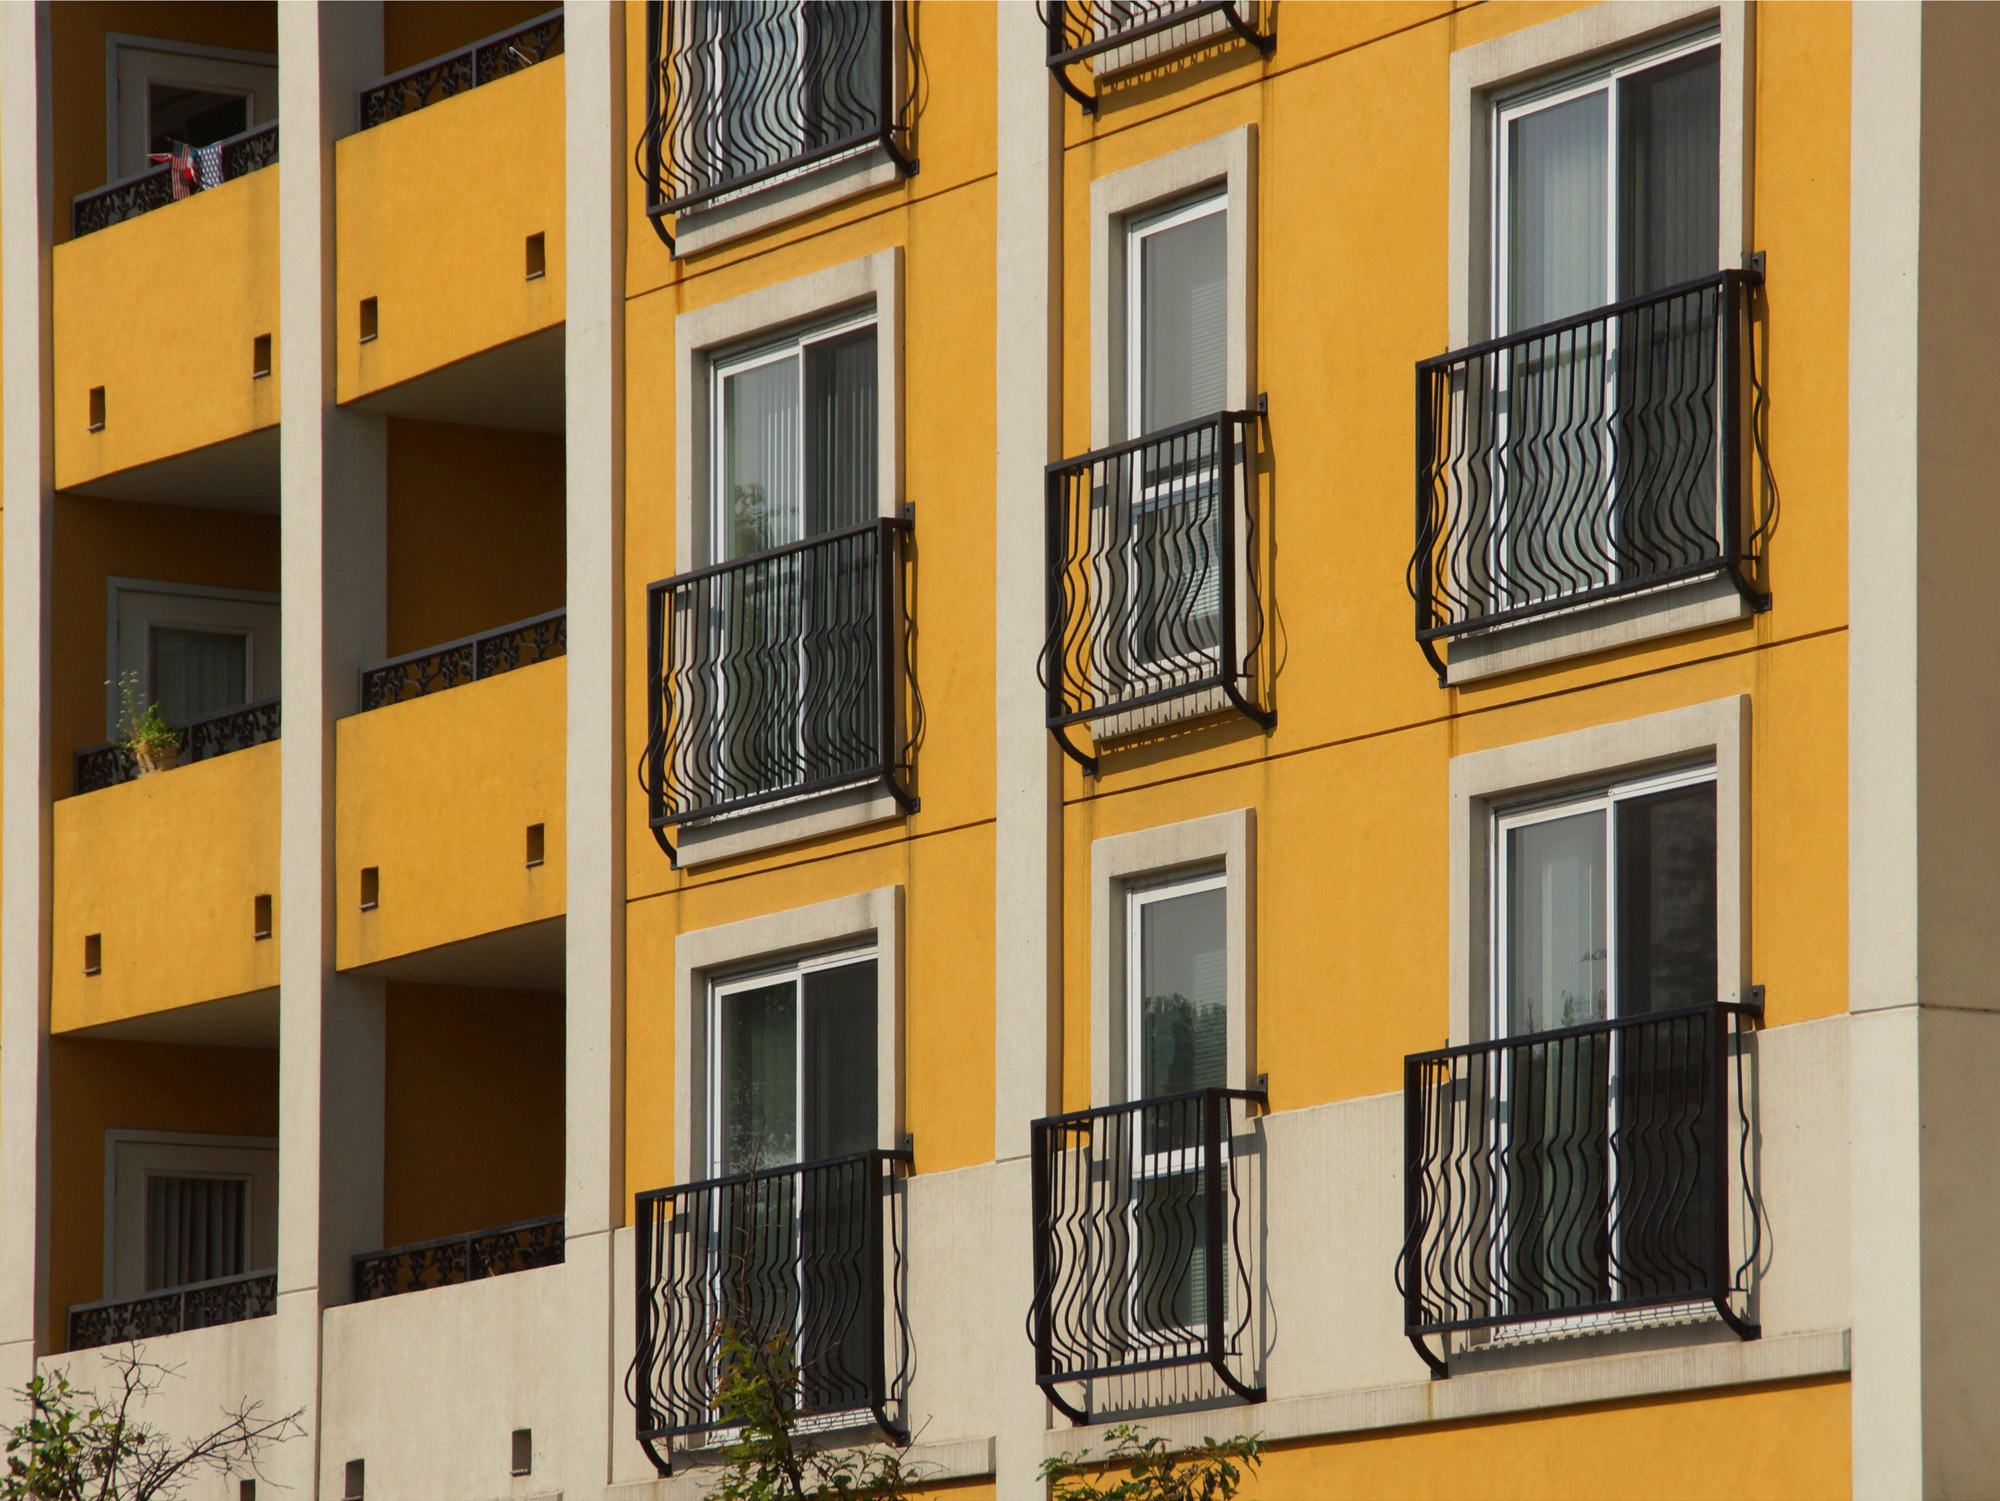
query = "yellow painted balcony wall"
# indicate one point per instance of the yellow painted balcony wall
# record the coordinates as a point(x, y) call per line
point(434, 212)
point(163, 312)
point(167, 871)
point(437, 794)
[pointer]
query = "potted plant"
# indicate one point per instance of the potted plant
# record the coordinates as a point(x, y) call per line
point(152, 742)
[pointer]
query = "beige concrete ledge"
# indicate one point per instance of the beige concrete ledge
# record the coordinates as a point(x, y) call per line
point(1667, 611)
point(1561, 1384)
point(773, 203)
point(954, 1459)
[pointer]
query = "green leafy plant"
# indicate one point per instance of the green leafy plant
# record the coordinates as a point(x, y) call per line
point(141, 730)
point(74, 1446)
point(770, 1460)
point(1140, 1468)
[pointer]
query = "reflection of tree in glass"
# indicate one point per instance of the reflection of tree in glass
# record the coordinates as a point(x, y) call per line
point(750, 520)
point(1183, 1043)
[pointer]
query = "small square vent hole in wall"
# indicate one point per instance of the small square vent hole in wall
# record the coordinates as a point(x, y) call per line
point(537, 837)
point(93, 953)
point(97, 409)
point(246, 1490)
point(260, 356)
point(371, 888)
point(538, 256)
point(260, 917)
point(523, 1458)
point(356, 1488)
point(369, 319)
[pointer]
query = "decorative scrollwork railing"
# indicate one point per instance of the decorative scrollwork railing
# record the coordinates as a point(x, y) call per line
point(1153, 579)
point(1558, 1175)
point(1588, 458)
point(489, 58)
point(779, 676)
point(141, 193)
point(453, 1259)
point(807, 1258)
point(1139, 1242)
point(100, 766)
point(199, 1305)
point(1115, 35)
point(540, 638)
point(740, 94)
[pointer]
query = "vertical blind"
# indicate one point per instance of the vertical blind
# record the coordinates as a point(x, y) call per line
point(1184, 333)
point(197, 1229)
point(196, 673)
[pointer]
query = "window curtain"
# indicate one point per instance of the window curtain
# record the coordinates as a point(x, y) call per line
point(1184, 338)
point(196, 1230)
point(840, 432)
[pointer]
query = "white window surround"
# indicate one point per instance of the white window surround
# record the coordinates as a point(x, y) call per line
point(1483, 780)
point(704, 954)
point(141, 58)
point(264, 661)
point(703, 336)
point(1223, 841)
point(128, 1154)
point(1480, 75)
point(1228, 163)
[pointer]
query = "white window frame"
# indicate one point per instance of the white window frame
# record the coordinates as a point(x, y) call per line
point(207, 609)
point(703, 957)
point(790, 346)
point(225, 70)
point(722, 987)
point(131, 1157)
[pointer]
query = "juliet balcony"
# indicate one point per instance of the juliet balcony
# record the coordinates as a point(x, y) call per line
point(1591, 468)
point(1585, 1179)
point(1154, 597)
point(780, 678)
point(449, 201)
point(1094, 43)
point(1146, 1228)
point(803, 1263)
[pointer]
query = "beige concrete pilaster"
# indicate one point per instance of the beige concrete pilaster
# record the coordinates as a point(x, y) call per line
point(1027, 980)
point(27, 221)
point(334, 572)
point(594, 1197)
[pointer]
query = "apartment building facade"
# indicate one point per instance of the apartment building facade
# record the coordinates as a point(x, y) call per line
point(831, 684)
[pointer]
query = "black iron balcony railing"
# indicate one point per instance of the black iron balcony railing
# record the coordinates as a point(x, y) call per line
point(489, 58)
point(738, 95)
point(805, 1261)
point(1122, 34)
point(1139, 1242)
point(141, 193)
point(1560, 1175)
point(779, 676)
point(199, 1305)
point(99, 766)
point(540, 638)
point(520, 1247)
point(1153, 576)
point(1591, 457)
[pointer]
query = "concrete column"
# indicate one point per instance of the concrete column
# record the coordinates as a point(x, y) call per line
point(1924, 711)
point(595, 164)
point(1027, 980)
point(27, 221)
point(334, 574)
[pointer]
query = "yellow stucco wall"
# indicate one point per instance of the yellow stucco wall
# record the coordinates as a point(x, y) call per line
point(476, 535)
point(943, 220)
point(167, 869)
point(162, 312)
point(95, 1085)
point(437, 793)
point(1351, 786)
point(472, 1109)
point(415, 31)
point(1784, 1442)
point(433, 211)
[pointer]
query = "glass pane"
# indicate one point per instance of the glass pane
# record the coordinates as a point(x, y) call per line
point(840, 432)
point(760, 458)
point(757, 1114)
point(1556, 222)
point(1669, 145)
point(196, 1230)
point(1184, 333)
point(1183, 1000)
point(1556, 971)
point(1666, 900)
point(194, 117)
point(196, 673)
point(840, 1061)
